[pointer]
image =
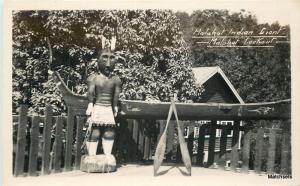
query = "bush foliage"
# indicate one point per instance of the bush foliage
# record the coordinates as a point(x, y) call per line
point(258, 74)
point(155, 59)
point(156, 52)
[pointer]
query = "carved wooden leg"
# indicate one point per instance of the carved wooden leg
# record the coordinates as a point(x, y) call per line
point(100, 163)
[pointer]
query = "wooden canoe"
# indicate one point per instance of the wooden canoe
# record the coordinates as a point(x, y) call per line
point(208, 111)
point(70, 98)
point(186, 111)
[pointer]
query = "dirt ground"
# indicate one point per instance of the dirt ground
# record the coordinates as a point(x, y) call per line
point(136, 175)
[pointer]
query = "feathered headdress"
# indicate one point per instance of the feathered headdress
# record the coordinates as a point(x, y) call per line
point(109, 43)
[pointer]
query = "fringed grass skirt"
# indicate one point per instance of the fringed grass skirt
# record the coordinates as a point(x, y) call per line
point(102, 115)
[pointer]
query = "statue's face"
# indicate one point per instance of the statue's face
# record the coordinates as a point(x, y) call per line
point(106, 62)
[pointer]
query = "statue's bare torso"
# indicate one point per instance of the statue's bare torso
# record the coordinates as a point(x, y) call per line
point(104, 88)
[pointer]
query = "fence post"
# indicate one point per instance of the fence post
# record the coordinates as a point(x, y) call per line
point(152, 139)
point(21, 141)
point(58, 143)
point(147, 140)
point(79, 140)
point(223, 147)
point(234, 156)
point(271, 151)
point(69, 139)
point(201, 140)
point(212, 143)
point(34, 142)
point(130, 148)
point(135, 135)
point(191, 126)
point(259, 150)
point(141, 131)
point(47, 140)
point(246, 149)
point(147, 147)
point(285, 148)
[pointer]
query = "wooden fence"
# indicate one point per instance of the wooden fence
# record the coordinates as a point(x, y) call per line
point(37, 152)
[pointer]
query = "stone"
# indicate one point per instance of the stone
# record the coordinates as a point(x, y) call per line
point(98, 163)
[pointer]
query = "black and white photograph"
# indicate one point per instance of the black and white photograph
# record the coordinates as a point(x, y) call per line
point(149, 95)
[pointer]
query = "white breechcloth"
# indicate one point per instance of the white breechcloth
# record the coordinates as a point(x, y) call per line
point(102, 115)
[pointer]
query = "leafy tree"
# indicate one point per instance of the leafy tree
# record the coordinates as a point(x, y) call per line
point(150, 42)
point(259, 74)
point(155, 46)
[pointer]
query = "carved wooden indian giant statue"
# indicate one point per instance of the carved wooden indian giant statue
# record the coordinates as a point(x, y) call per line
point(101, 109)
point(103, 94)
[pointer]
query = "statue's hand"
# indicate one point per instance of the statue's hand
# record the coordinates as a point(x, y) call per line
point(116, 109)
point(90, 124)
point(89, 110)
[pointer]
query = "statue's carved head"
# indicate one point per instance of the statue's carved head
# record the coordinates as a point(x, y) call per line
point(107, 57)
point(106, 61)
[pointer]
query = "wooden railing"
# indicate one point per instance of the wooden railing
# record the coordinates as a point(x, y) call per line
point(50, 144)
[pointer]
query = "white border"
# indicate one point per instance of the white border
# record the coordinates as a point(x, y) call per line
point(288, 9)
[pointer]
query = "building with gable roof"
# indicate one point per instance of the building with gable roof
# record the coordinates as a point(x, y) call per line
point(218, 89)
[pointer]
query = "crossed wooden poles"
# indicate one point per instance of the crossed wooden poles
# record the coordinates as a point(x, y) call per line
point(161, 146)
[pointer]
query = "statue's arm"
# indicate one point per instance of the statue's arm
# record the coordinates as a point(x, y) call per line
point(117, 91)
point(90, 94)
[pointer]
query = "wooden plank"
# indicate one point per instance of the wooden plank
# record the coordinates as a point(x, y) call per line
point(285, 149)
point(47, 140)
point(135, 135)
point(160, 128)
point(130, 125)
point(79, 140)
point(151, 146)
point(191, 127)
point(246, 149)
point(212, 143)
point(21, 141)
point(58, 144)
point(69, 139)
point(271, 152)
point(200, 150)
point(130, 147)
point(190, 140)
point(153, 138)
point(259, 150)
point(234, 155)
point(147, 147)
point(141, 139)
point(178, 154)
point(123, 140)
point(284, 154)
point(223, 148)
point(34, 144)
